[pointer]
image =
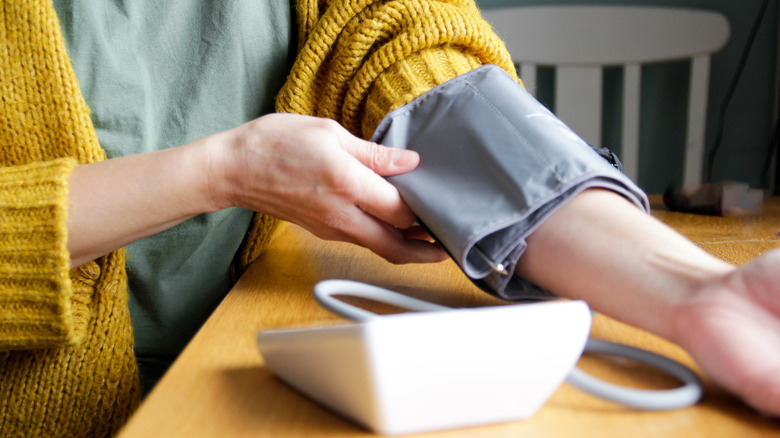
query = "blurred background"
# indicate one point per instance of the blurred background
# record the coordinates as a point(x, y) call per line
point(744, 99)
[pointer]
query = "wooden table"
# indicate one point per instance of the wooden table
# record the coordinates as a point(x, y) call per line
point(220, 387)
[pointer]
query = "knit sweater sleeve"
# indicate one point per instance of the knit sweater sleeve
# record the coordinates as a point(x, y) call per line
point(360, 59)
point(40, 306)
point(45, 131)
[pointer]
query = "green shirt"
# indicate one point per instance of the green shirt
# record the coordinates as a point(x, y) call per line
point(159, 74)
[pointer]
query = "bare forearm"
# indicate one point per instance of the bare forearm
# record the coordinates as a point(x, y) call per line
point(306, 170)
point(624, 263)
point(119, 201)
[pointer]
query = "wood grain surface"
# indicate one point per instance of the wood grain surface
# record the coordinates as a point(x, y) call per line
point(219, 386)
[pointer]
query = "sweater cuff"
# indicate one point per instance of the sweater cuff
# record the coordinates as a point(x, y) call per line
point(38, 305)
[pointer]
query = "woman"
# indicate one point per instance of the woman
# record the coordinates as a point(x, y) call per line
point(81, 315)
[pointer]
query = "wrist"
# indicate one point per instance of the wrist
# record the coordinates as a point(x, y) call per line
point(213, 164)
point(684, 312)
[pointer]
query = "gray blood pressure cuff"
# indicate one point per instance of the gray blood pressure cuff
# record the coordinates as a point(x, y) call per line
point(494, 164)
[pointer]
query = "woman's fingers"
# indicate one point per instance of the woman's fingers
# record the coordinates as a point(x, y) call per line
point(313, 172)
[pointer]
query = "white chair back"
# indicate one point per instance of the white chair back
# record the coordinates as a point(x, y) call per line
point(580, 40)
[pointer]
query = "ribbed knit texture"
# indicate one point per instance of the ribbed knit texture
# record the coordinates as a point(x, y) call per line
point(36, 304)
point(360, 59)
point(66, 360)
point(66, 350)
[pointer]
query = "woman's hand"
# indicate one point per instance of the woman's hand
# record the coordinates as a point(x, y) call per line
point(732, 328)
point(313, 172)
point(305, 170)
point(630, 266)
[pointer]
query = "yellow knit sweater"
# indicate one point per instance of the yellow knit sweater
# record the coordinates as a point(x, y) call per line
point(66, 349)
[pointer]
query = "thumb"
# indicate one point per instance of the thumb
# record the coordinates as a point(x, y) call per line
point(383, 160)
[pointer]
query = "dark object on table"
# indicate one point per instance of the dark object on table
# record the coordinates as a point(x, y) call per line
point(716, 199)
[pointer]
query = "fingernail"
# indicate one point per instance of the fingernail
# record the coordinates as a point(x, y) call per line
point(404, 158)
